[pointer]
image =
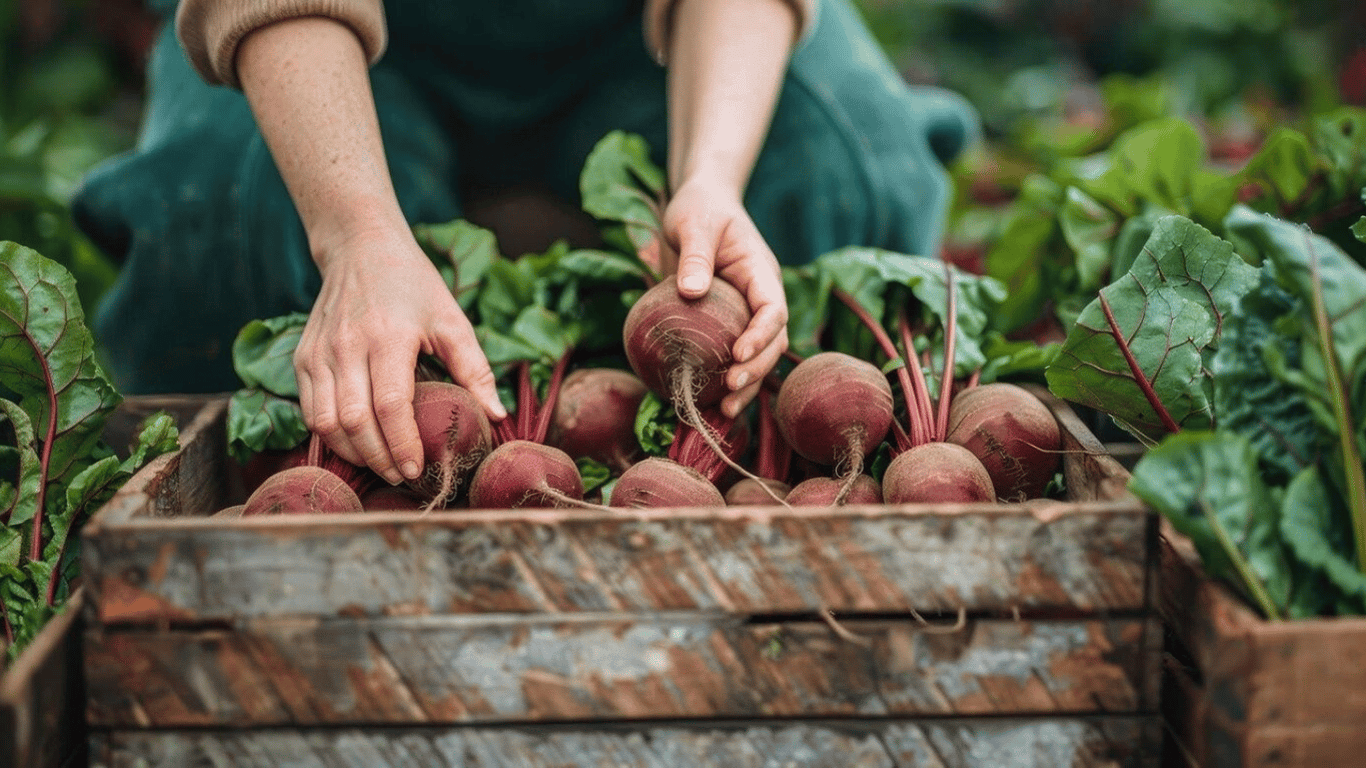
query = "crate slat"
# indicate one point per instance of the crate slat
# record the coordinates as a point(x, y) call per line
point(612, 666)
point(1127, 742)
point(1260, 693)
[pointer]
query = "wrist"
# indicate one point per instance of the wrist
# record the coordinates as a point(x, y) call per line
point(352, 229)
point(718, 185)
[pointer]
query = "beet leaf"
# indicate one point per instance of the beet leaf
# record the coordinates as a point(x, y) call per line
point(1143, 354)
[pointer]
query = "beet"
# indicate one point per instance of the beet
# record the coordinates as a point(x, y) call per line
point(1012, 433)
point(833, 407)
point(302, 490)
point(747, 492)
point(595, 416)
point(682, 344)
point(455, 437)
point(936, 472)
point(825, 491)
point(521, 473)
point(657, 482)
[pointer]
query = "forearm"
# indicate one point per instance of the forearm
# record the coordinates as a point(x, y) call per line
point(309, 89)
point(727, 59)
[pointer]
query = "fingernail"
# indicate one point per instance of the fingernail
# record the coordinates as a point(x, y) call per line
point(694, 283)
point(742, 380)
point(744, 355)
point(393, 477)
point(410, 470)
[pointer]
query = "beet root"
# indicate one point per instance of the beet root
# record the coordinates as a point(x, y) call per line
point(657, 482)
point(747, 492)
point(936, 472)
point(825, 491)
point(595, 416)
point(302, 490)
point(665, 335)
point(833, 407)
point(521, 473)
point(1012, 433)
point(455, 437)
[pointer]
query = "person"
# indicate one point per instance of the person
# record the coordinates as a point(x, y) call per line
point(288, 145)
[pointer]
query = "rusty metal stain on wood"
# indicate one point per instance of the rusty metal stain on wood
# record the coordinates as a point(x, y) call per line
point(998, 743)
point(511, 668)
point(1089, 559)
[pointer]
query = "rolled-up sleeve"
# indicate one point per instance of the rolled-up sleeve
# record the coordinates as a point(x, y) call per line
point(211, 30)
point(659, 23)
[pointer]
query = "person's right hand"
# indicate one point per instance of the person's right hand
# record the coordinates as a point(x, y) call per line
point(382, 303)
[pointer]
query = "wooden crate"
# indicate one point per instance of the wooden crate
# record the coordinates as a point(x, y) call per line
point(41, 715)
point(42, 711)
point(1241, 691)
point(876, 635)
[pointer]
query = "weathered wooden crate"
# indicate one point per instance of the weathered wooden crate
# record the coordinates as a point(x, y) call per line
point(1244, 692)
point(1011, 635)
point(41, 715)
point(42, 709)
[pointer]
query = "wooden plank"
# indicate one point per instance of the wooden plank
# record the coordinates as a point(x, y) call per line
point(509, 668)
point(41, 723)
point(1289, 693)
point(1084, 557)
point(1131, 742)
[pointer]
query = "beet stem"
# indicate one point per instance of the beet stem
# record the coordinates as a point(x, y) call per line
point(552, 396)
point(918, 410)
point(950, 333)
point(883, 340)
point(687, 410)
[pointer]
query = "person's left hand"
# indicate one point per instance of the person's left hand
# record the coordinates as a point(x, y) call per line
point(707, 226)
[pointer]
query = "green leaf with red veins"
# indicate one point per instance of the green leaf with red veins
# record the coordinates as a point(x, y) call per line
point(869, 274)
point(1168, 311)
point(47, 359)
point(463, 252)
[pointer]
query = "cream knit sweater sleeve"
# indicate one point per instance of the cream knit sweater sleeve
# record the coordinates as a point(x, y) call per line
point(211, 30)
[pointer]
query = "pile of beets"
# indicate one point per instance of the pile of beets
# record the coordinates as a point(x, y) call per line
point(814, 433)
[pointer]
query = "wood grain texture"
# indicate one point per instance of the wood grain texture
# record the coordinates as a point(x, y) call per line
point(1079, 557)
point(41, 698)
point(1260, 693)
point(501, 668)
point(1128, 742)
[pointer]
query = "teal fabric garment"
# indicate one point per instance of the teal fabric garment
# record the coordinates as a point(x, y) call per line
point(485, 94)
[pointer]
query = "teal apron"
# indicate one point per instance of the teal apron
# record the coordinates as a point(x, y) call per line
point(474, 94)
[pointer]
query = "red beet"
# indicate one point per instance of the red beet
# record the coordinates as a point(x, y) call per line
point(657, 482)
point(677, 345)
point(1012, 433)
point(302, 490)
point(595, 416)
point(521, 473)
point(455, 438)
point(936, 472)
point(833, 407)
point(824, 492)
point(747, 492)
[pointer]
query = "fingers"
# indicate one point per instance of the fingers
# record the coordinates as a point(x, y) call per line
point(393, 408)
point(697, 246)
point(745, 378)
point(460, 351)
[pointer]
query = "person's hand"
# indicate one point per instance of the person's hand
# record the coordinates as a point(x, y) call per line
point(708, 228)
point(382, 303)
